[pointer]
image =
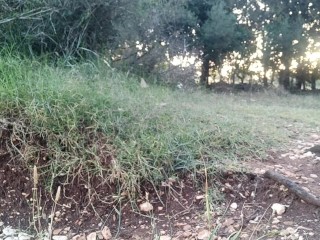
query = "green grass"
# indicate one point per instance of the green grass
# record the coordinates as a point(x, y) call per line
point(89, 120)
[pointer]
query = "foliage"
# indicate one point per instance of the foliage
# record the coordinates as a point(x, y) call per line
point(65, 27)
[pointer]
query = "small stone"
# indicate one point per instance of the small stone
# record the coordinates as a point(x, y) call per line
point(314, 175)
point(234, 206)
point(56, 231)
point(79, 237)
point(306, 189)
point(187, 227)
point(307, 155)
point(228, 222)
point(8, 231)
point(288, 231)
point(60, 237)
point(146, 207)
point(288, 223)
point(99, 236)
point(24, 236)
point(165, 237)
point(187, 234)
point(92, 236)
point(278, 208)
point(275, 221)
point(136, 237)
point(315, 136)
point(106, 233)
point(11, 238)
point(203, 235)
point(199, 197)
point(143, 83)
point(57, 214)
point(244, 236)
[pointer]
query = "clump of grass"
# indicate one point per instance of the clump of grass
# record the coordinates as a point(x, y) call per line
point(89, 120)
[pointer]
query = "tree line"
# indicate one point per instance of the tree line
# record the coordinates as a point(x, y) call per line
point(145, 35)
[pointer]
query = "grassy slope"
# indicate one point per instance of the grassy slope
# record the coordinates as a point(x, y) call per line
point(92, 120)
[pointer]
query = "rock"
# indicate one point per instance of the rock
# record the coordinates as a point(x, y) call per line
point(8, 231)
point(187, 234)
point(314, 175)
point(146, 207)
point(106, 233)
point(278, 208)
point(204, 235)
point(92, 236)
point(60, 237)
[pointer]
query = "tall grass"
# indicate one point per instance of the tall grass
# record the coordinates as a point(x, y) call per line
point(89, 120)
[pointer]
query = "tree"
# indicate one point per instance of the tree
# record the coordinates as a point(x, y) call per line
point(152, 32)
point(217, 33)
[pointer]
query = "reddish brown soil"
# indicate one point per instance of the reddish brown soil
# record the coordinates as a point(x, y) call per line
point(179, 206)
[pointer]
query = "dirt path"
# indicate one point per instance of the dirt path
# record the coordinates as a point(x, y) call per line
point(179, 210)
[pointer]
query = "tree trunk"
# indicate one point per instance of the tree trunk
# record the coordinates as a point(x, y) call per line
point(265, 81)
point(284, 79)
point(204, 79)
point(313, 80)
point(313, 84)
point(284, 76)
point(298, 84)
point(301, 77)
point(233, 78)
point(272, 76)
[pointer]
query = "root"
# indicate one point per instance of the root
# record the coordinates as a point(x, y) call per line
point(293, 187)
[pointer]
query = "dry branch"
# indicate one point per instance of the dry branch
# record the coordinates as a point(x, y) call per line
point(294, 188)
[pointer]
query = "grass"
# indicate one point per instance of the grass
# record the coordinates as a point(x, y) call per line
point(91, 121)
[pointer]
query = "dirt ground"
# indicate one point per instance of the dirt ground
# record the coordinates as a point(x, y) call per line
point(180, 209)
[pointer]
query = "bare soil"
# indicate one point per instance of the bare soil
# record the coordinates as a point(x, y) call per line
point(181, 209)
